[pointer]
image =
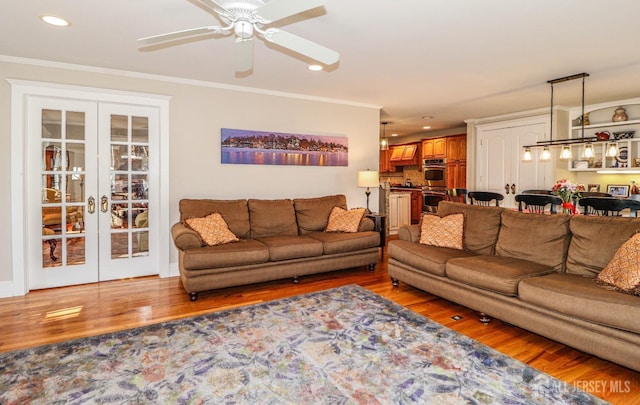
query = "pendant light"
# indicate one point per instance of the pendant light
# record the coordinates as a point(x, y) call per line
point(612, 149)
point(527, 154)
point(566, 153)
point(384, 143)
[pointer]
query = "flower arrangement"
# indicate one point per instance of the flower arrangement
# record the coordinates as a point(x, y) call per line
point(567, 191)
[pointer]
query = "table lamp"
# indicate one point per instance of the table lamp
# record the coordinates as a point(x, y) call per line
point(368, 178)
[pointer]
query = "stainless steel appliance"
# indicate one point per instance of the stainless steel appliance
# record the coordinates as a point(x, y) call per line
point(435, 172)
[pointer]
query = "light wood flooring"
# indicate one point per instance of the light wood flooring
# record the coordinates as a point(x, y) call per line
point(54, 315)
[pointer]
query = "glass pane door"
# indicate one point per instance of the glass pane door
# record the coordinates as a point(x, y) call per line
point(63, 133)
point(126, 202)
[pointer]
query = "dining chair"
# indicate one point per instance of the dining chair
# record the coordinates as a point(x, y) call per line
point(457, 195)
point(484, 198)
point(537, 203)
point(544, 192)
point(609, 206)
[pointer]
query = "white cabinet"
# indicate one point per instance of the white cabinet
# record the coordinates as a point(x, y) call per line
point(499, 150)
point(600, 119)
point(399, 211)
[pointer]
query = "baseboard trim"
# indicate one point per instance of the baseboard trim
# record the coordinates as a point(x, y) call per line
point(7, 289)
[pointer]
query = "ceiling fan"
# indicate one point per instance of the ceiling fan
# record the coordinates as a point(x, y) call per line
point(245, 18)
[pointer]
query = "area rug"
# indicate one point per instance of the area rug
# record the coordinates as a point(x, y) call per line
point(340, 346)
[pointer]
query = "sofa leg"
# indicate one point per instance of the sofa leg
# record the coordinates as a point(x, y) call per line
point(484, 318)
point(296, 280)
point(395, 282)
point(372, 267)
point(193, 296)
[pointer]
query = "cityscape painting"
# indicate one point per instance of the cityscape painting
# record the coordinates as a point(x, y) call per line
point(240, 146)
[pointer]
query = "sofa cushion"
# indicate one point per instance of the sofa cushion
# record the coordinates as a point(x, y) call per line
point(212, 229)
point(272, 217)
point(595, 239)
point(494, 273)
point(426, 258)
point(291, 247)
point(623, 271)
point(231, 254)
point(446, 231)
point(482, 225)
point(536, 238)
point(234, 212)
point(580, 296)
point(341, 220)
point(340, 242)
point(312, 214)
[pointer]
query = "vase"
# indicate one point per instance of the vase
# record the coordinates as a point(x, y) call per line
point(569, 208)
point(619, 115)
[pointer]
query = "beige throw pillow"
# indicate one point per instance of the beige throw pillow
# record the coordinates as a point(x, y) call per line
point(213, 229)
point(446, 231)
point(341, 220)
point(623, 271)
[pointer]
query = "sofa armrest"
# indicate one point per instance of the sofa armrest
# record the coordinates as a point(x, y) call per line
point(185, 238)
point(410, 233)
point(366, 224)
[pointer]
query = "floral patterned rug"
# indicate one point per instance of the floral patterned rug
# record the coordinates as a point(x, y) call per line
point(341, 346)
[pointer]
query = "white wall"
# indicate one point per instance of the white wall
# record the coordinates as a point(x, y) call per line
point(198, 111)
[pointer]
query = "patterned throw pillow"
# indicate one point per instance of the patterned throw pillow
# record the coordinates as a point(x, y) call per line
point(446, 231)
point(213, 229)
point(623, 271)
point(341, 220)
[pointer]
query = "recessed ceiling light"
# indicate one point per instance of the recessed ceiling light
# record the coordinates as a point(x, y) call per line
point(394, 134)
point(314, 68)
point(426, 127)
point(427, 117)
point(53, 20)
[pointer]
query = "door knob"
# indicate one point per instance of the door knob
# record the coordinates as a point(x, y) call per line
point(506, 188)
point(91, 203)
point(104, 203)
point(513, 188)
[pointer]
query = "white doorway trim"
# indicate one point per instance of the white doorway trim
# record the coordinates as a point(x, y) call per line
point(21, 90)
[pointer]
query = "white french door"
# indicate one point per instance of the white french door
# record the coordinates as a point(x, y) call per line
point(92, 189)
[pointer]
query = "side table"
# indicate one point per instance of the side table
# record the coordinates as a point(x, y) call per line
point(379, 221)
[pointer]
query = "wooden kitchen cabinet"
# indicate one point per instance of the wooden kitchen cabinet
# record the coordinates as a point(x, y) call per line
point(399, 211)
point(457, 147)
point(405, 155)
point(434, 148)
point(457, 174)
point(385, 164)
point(416, 206)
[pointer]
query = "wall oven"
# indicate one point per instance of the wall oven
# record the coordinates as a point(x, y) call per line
point(435, 172)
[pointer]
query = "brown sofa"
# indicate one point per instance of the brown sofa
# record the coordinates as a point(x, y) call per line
point(278, 239)
point(533, 271)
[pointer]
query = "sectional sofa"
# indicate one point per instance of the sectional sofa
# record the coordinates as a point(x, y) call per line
point(276, 239)
point(531, 270)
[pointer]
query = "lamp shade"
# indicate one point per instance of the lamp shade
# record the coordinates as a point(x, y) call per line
point(368, 178)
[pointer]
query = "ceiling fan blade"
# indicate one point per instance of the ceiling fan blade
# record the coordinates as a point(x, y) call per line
point(276, 10)
point(212, 4)
point(172, 36)
point(244, 54)
point(302, 46)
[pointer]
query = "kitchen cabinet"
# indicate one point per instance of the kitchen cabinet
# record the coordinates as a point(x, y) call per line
point(434, 148)
point(600, 118)
point(399, 211)
point(416, 206)
point(457, 161)
point(457, 174)
point(457, 147)
point(385, 164)
point(499, 148)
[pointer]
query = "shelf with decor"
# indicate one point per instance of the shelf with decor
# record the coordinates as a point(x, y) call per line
point(607, 125)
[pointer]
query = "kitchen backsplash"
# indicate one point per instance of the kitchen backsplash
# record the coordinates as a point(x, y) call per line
point(414, 174)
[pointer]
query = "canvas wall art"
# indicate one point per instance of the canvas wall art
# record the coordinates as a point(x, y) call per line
point(241, 146)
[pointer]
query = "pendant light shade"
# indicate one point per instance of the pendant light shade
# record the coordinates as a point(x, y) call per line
point(384, 143)
point(527, 154)
point(588, 151)
point(612, 150)
point(566, 153)
point(546, 154)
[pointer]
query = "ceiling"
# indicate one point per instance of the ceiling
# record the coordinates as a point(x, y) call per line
point(449, 59)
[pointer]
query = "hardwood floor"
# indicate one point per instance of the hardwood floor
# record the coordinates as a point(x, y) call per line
point(54, 315)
